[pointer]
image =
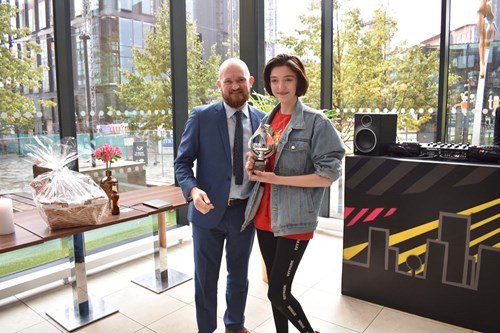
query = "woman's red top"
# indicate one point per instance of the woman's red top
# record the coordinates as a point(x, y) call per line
point(262, 219)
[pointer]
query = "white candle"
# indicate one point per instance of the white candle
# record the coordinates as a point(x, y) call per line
point(6, 216)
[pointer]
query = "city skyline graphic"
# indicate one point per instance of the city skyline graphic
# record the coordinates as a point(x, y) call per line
point(490, 218)
point(424, 237)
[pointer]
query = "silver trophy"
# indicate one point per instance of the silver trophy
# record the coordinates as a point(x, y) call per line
point(262, 145)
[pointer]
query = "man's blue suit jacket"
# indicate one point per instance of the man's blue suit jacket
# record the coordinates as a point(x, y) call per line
point(206, 141)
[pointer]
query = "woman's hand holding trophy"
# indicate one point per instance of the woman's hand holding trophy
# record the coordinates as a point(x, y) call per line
point(261, 146)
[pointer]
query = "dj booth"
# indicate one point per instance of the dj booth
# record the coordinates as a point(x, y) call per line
point(422, 232)
point(423, 236)
point(446, 151)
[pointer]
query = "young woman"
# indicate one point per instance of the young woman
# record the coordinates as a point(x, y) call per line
point(285, 203)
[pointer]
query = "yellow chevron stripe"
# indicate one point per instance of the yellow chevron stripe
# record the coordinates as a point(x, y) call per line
point(474, 256)
point(413, 232)
point(350, 252)
point(421, 249)
point(416, 251)
point(485, 221)
point(402, 236)
point(483, 237)
point(481, 207)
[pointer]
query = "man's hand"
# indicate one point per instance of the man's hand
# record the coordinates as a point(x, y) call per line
point(201, 201)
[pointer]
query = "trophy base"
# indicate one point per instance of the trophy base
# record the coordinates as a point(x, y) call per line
point(259, 165)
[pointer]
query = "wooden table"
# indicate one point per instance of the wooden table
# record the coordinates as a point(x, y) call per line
point(32, 221)
point(21, 201)
point(31, 229)
point(163, 278)
point(84, 308)
point(168, 193)
point(21, 238)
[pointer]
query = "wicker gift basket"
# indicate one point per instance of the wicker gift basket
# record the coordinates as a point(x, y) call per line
point(64, 198)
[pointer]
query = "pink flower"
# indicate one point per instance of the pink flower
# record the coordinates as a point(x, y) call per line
point(108, 154)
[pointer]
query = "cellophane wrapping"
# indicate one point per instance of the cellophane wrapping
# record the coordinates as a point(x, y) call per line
point(64, 198)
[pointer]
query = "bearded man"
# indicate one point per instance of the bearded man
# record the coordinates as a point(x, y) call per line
point(215, 138)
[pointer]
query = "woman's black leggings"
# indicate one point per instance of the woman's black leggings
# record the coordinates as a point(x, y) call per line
point(282, 257)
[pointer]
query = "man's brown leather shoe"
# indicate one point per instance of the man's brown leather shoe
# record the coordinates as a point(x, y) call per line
point(241, 330)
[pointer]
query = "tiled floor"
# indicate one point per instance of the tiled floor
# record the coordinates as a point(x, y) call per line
point(317, 286)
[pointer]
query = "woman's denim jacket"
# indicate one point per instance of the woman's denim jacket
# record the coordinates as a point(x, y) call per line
point(309, 144)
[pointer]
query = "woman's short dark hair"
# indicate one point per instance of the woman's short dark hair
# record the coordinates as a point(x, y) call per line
point(294, 64)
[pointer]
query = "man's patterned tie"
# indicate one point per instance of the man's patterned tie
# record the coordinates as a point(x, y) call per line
point(238, 149)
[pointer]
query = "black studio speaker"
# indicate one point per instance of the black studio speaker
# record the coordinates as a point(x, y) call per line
point(373, 132)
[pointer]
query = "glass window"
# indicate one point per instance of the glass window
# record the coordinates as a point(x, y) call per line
point(147, 7)
point(147, 28)
point(138, 38)
point(125, 5)
point(473, 72)
point(45, 62)
point(403, 77)
point(126, 35)
point(78, 7)
point(80, 58)
point(31, 17)
point(127, 64)
point(34, 56)
point(118, 104)
point(19, 124)
point(42, 15)
point(14, 18)
point(22, 14)
point(28, 258)
point(126, 51)
point(385, 61)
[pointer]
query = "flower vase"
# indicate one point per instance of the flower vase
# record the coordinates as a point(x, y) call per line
point(109, 184)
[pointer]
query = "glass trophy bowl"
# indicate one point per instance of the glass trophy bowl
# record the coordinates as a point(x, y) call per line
point(262, 146)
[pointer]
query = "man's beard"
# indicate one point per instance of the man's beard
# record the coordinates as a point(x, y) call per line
point(236, 99)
